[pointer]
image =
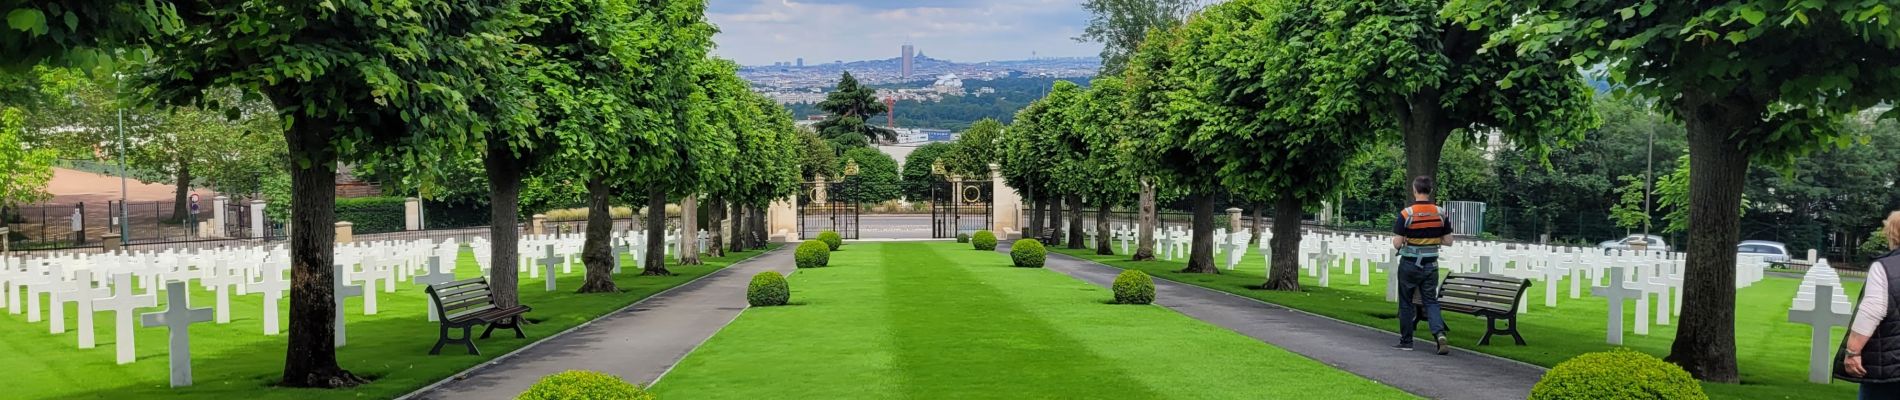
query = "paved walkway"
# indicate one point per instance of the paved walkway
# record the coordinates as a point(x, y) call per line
point(638, 344)
point(1353, 348)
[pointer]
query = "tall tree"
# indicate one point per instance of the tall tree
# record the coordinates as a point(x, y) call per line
point(353, 80)
point(1121, 25)
point(918, 181)
point(27, 169)
point(78, 33)
point(698, 157)
point(1271, 127)
point(815, 156)
point(1753, 80)
point(975, 149)
point(849, 109)
point(876, 181)
point(1102, 125)
point(1162, 102)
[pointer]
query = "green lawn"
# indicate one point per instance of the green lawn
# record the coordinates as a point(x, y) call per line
point(1773, 353)
point(939, 320)
point(236, 360)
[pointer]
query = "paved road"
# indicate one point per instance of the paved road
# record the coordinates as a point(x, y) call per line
point(638, 344)
point(1353, 348)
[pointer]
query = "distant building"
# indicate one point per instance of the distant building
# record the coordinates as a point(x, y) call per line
point(908, 60)
point(801, 62)
point(948, 84)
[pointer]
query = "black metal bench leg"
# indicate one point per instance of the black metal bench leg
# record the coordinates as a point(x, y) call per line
point(467, 340)
point(1514, 335)
point(443, 339)
point(491, 329)
point(517, 325)
point(1490, 327)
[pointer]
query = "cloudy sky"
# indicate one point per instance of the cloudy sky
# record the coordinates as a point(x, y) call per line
point(760, 32)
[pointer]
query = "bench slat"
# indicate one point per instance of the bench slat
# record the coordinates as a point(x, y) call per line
point(468, 303)
point(1483, 283)
point(460, 297)
point(466, 314)
point(1459, 287)
point(464, 282)
point(1487, 301)
point(447, 293)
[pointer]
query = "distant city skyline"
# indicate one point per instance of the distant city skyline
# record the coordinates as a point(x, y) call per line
point(769, 32)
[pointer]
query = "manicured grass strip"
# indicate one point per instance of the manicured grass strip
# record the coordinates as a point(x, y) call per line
point(236, 360)
point(1773, 353)
point(938, 320)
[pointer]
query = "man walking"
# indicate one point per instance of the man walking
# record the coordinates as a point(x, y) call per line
point(1421, 230)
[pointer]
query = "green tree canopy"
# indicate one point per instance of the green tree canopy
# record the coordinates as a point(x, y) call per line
point(975, 149)
point(876, 180)
point(848, 110)
point(27, 169)
point(815, 155)
point(1120, 26)
point(917, 177)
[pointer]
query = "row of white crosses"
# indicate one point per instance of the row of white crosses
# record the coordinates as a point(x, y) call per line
point(1821, 302)
point(124, 282)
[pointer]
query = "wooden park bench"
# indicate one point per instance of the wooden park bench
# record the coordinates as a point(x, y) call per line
point(1494, 297)
point(467, 303)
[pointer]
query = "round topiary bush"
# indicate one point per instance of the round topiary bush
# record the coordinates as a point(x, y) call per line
point(1617, 374)
point(983, 240)
point(1028, 253)
point(1134, 287)
point(963, 238)
point(584, 385)
point(768, 289)
point(831, 239)
point(812, 254)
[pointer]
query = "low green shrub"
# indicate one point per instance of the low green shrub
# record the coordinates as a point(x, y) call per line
point(1028, 253)
point(963, 238)
point(1617, 374)
point(1134, 287)
point(768, 289)
point(831, 239)
point(584, 385)
point(812, 254)
point(984, 240)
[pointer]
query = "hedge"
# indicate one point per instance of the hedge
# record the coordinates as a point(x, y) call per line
point(812, 254)
point(584, 385)
point(454, 215)
point(1617, 374)
point(372, 214)
point(983, 240)
point(1134, 287)
point(1028, 253)
point(963, 238)
point(768, 289)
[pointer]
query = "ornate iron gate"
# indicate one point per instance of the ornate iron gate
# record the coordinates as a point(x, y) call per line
point(822, 207)
point(959, 208)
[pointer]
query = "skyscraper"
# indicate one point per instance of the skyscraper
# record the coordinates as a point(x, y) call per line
point(907, 61)
point(801, 61)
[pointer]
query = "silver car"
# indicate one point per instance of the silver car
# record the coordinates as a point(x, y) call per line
point(1772, 252)
point(1650, 242)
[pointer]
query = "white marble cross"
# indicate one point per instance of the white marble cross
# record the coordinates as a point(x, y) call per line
point(272, 286)
point(122, 303)
point(220, 279)
point(548, 264)
point(434, 276)
point(177, 318)
point(84, 294)
point(1325, 263)
point(340, 289)
point(55, 287)
point(1822, 320)
point(1616, 292)
point(617, 249)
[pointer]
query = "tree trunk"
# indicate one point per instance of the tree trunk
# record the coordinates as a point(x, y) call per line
point(739, 228)
point(1257, 225)
point(758, 227)
point(1285, 274)
point(1425, 136)
point(181, 200)
point(1034, 229)
point(1075, 222)
point(656, 234)
point(715, 227)
point(1051, 236)
point(504, 224)
point(1201, 249)
point(597, 251)
point(689, 229)
point(1145, 228)
point(1101, 231)
point(1705, 336)
point(310, 358)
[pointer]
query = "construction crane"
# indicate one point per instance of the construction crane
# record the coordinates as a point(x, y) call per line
point(890, 114)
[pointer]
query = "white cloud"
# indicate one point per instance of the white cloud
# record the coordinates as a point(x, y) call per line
point(758, 32)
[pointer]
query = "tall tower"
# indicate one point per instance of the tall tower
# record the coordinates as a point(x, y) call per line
point(907, 60)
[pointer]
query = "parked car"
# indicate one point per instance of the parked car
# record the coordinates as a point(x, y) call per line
point(1772, 252)
point(1651, 242)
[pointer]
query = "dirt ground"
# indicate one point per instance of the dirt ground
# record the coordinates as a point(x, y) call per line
point(73, 186)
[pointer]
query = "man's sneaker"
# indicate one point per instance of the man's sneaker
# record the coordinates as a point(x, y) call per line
point(1443, 346)
point(1403, 346)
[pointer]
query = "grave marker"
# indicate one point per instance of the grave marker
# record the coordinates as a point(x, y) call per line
point(1616, 292)
point(548, 264)
point(341, 290)
point(122, 303)
point(177, 319)
point(1822, 320)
